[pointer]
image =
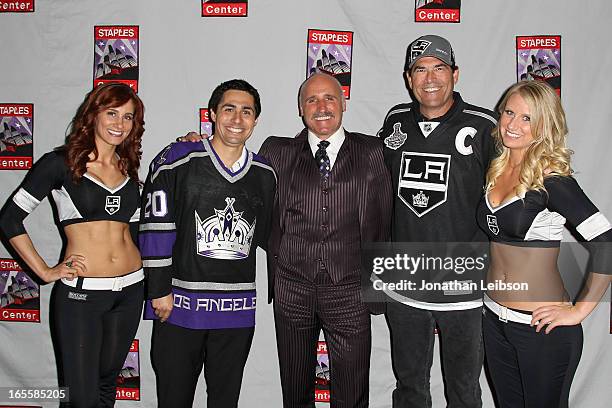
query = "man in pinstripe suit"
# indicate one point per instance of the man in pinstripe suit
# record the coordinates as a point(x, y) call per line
point(333, 194)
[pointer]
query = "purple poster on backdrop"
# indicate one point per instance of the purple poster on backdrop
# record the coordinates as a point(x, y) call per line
point(538, 57)
point(205, 123)
point(116, 55)
point(322, 374)
point(19, 295)
point(128, 380)
point(16, 135)
point(331, 52)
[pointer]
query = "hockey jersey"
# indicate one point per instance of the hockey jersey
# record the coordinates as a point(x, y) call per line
point(438, 168)
point(84, 201)
point(539, 216)
point(201, 224)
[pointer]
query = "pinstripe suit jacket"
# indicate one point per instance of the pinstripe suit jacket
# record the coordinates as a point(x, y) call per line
point(374, 194)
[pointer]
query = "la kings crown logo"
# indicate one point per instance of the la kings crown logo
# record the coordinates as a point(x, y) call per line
point(224, 235)
point(423, 181)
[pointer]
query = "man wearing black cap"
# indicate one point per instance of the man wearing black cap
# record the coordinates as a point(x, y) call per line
point(437, 149)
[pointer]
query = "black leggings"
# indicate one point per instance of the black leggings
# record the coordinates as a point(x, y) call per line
point(529, 369)
point(95, 329)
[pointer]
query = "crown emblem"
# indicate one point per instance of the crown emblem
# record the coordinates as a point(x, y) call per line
point(420, 200)
point(224, 235)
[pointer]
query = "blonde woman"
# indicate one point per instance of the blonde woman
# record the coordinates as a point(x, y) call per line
point(533, 336)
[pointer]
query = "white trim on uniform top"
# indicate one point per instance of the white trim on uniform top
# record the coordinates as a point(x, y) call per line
point(157, 263)
point(481, 114)
point(177, 163)
point(396, 111)
point(157, 226)
point(26, 201)
point(594, 226)
point(504, 314)
point(115, 284)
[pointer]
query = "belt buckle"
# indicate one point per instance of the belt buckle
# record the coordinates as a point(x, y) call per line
point(503, 314)
point(117, 284)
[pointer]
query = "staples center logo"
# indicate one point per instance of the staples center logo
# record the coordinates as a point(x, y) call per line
point(423, 181)
point(23, 6)
point(224, 8)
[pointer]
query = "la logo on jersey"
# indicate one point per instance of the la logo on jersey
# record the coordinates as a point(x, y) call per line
point(492, 224)
point(423, 181)
point(113, 203)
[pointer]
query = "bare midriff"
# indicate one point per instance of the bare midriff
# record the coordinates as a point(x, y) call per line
point(107, 247)
point(537, 267)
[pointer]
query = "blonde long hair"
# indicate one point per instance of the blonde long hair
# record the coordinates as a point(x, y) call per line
point(548, 154)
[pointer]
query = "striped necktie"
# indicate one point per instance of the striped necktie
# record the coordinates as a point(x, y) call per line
point(323, 159)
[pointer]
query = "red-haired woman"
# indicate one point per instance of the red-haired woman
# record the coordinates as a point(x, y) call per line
point(93, 180)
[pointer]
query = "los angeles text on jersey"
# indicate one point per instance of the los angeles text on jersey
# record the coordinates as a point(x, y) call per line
point(204, 303)
point(423, 181)
point(16, 135)
point(212, 8)
point(24, 6)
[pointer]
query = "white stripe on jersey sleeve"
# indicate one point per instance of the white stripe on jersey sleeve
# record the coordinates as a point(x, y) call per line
point(157, 226)
point(395, 111)
point(156, 263)
point(481, 114)
point(177, 163)
point(594, 226)
point(26, 201)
